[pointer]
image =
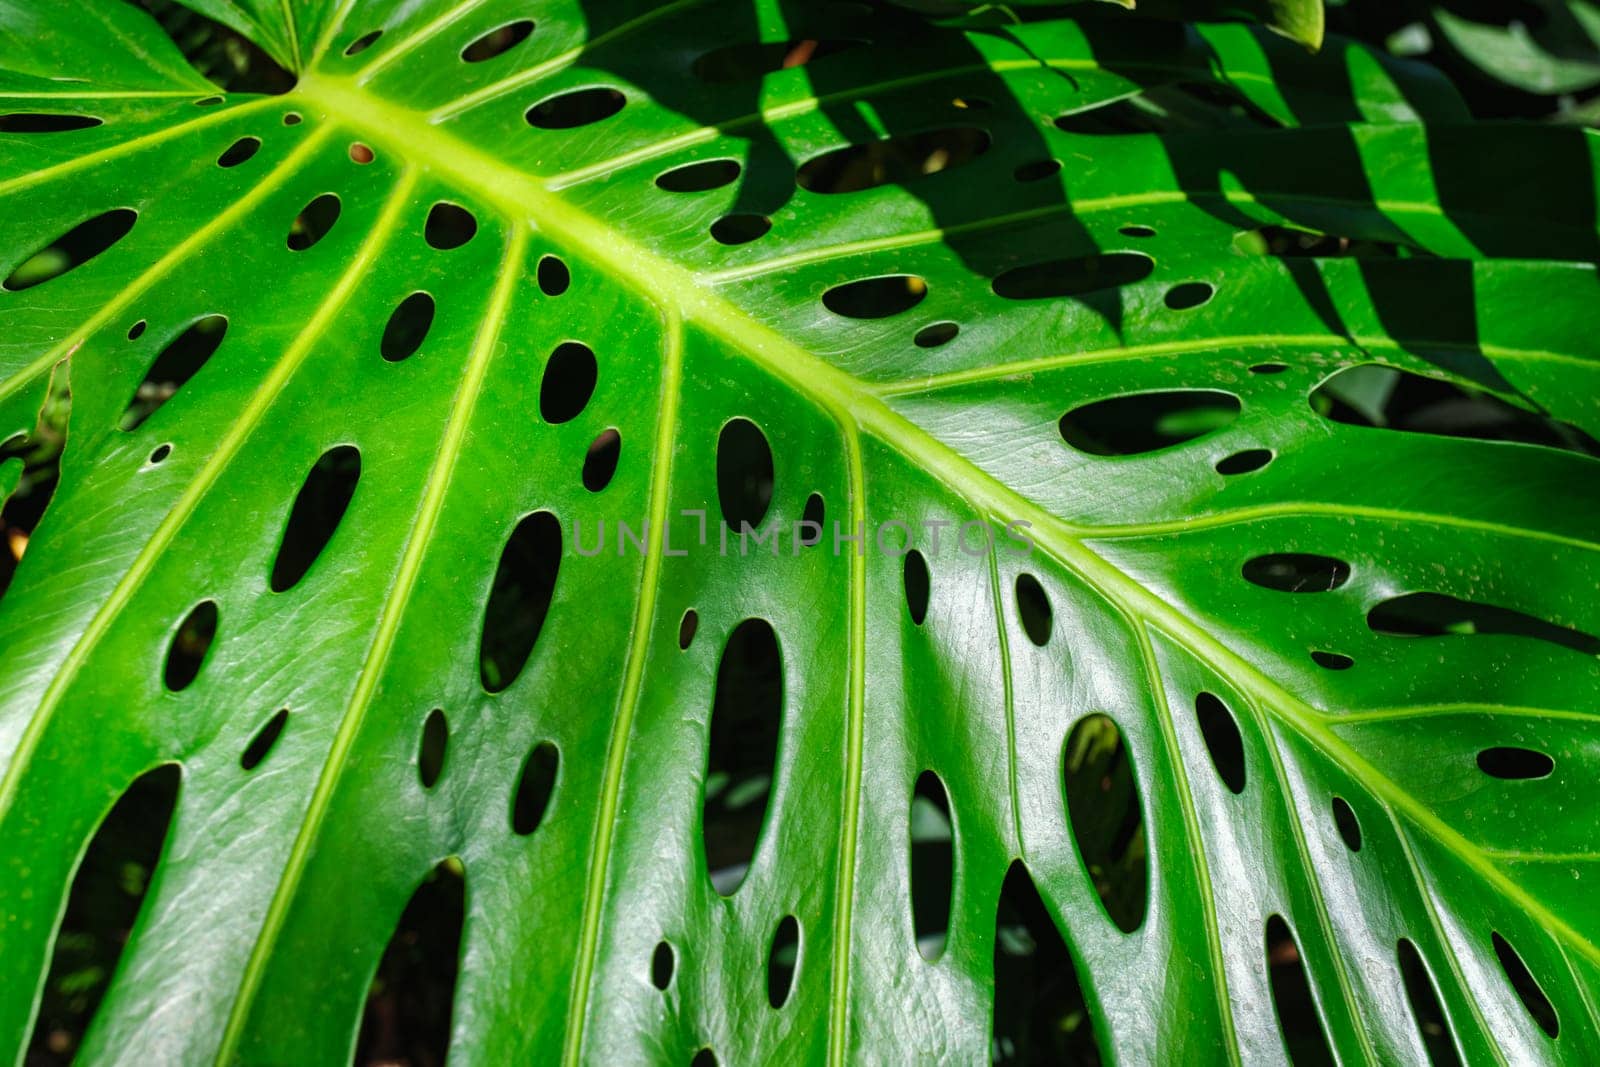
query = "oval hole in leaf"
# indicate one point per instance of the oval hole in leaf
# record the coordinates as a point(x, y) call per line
point(1297, 572)
point(1223, 742)
point(781, 961)
point(742, 62)
point(1102, 797)
point(1251, 459)
point(1345, 821)
point(362, 43)
point(1381, 397)
point(876, 298)
point(1038, 170)
point(932, 865)
point(569, 381)
point(744, 474)
point(159, 454)
point(892, 160)
point(1189, 295)
point(1425, 1007)
point(449, 226)
point(239, 151)
point(600, 463)
point(407, 327)
point(1440, 615)
point(1269, 368)
point(1073, 277)
point(178, 362)
point(699, 177)
point(1527, 986)
point(41, 122)
point(740, 229)
point(108, 893)
point(1515, 764)
point(936, 334)
point(518, 601)
point(554, 277)
point(314, 222)
point(535, 786)
point(704, 1058)
point(915, 575)
point(431, 748)
point(1039, 1008)
point(408, 1005)
point(1298, 1022)
point(1110, 118)
point(1137, 232)
point(1033, 608)
point(72, 249)
point(361, 154)
point(1146, 422)
point(686, 628)
point(261, 744)
point(497, 41)
point(662, 964)
point(575, 107)
point(190, 643)
point(1333, 661)
point(318, 509)
point(811, 520)
point(742, 751)
point(136, 331)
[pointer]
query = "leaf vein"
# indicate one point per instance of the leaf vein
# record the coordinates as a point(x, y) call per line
point(398, 595)
point(633, 681)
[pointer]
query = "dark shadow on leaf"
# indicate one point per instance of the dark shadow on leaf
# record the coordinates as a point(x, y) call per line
point(875, 96)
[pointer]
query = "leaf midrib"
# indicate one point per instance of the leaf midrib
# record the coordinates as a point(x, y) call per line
point(521, 196)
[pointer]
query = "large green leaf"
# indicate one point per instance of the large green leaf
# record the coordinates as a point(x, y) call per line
point(1280, 598)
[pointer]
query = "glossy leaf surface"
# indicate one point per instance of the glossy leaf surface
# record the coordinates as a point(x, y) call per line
point(590, 710)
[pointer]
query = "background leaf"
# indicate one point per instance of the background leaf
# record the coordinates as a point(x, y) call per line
point(1300, 20)
point(1561, 56)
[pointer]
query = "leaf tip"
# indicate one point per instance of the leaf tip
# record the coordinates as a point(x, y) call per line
point(1302, 21)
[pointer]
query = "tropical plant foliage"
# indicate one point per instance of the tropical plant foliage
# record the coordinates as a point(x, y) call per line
point(1258, 723)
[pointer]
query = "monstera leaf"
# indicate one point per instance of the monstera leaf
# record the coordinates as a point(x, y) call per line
point(502, 482)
